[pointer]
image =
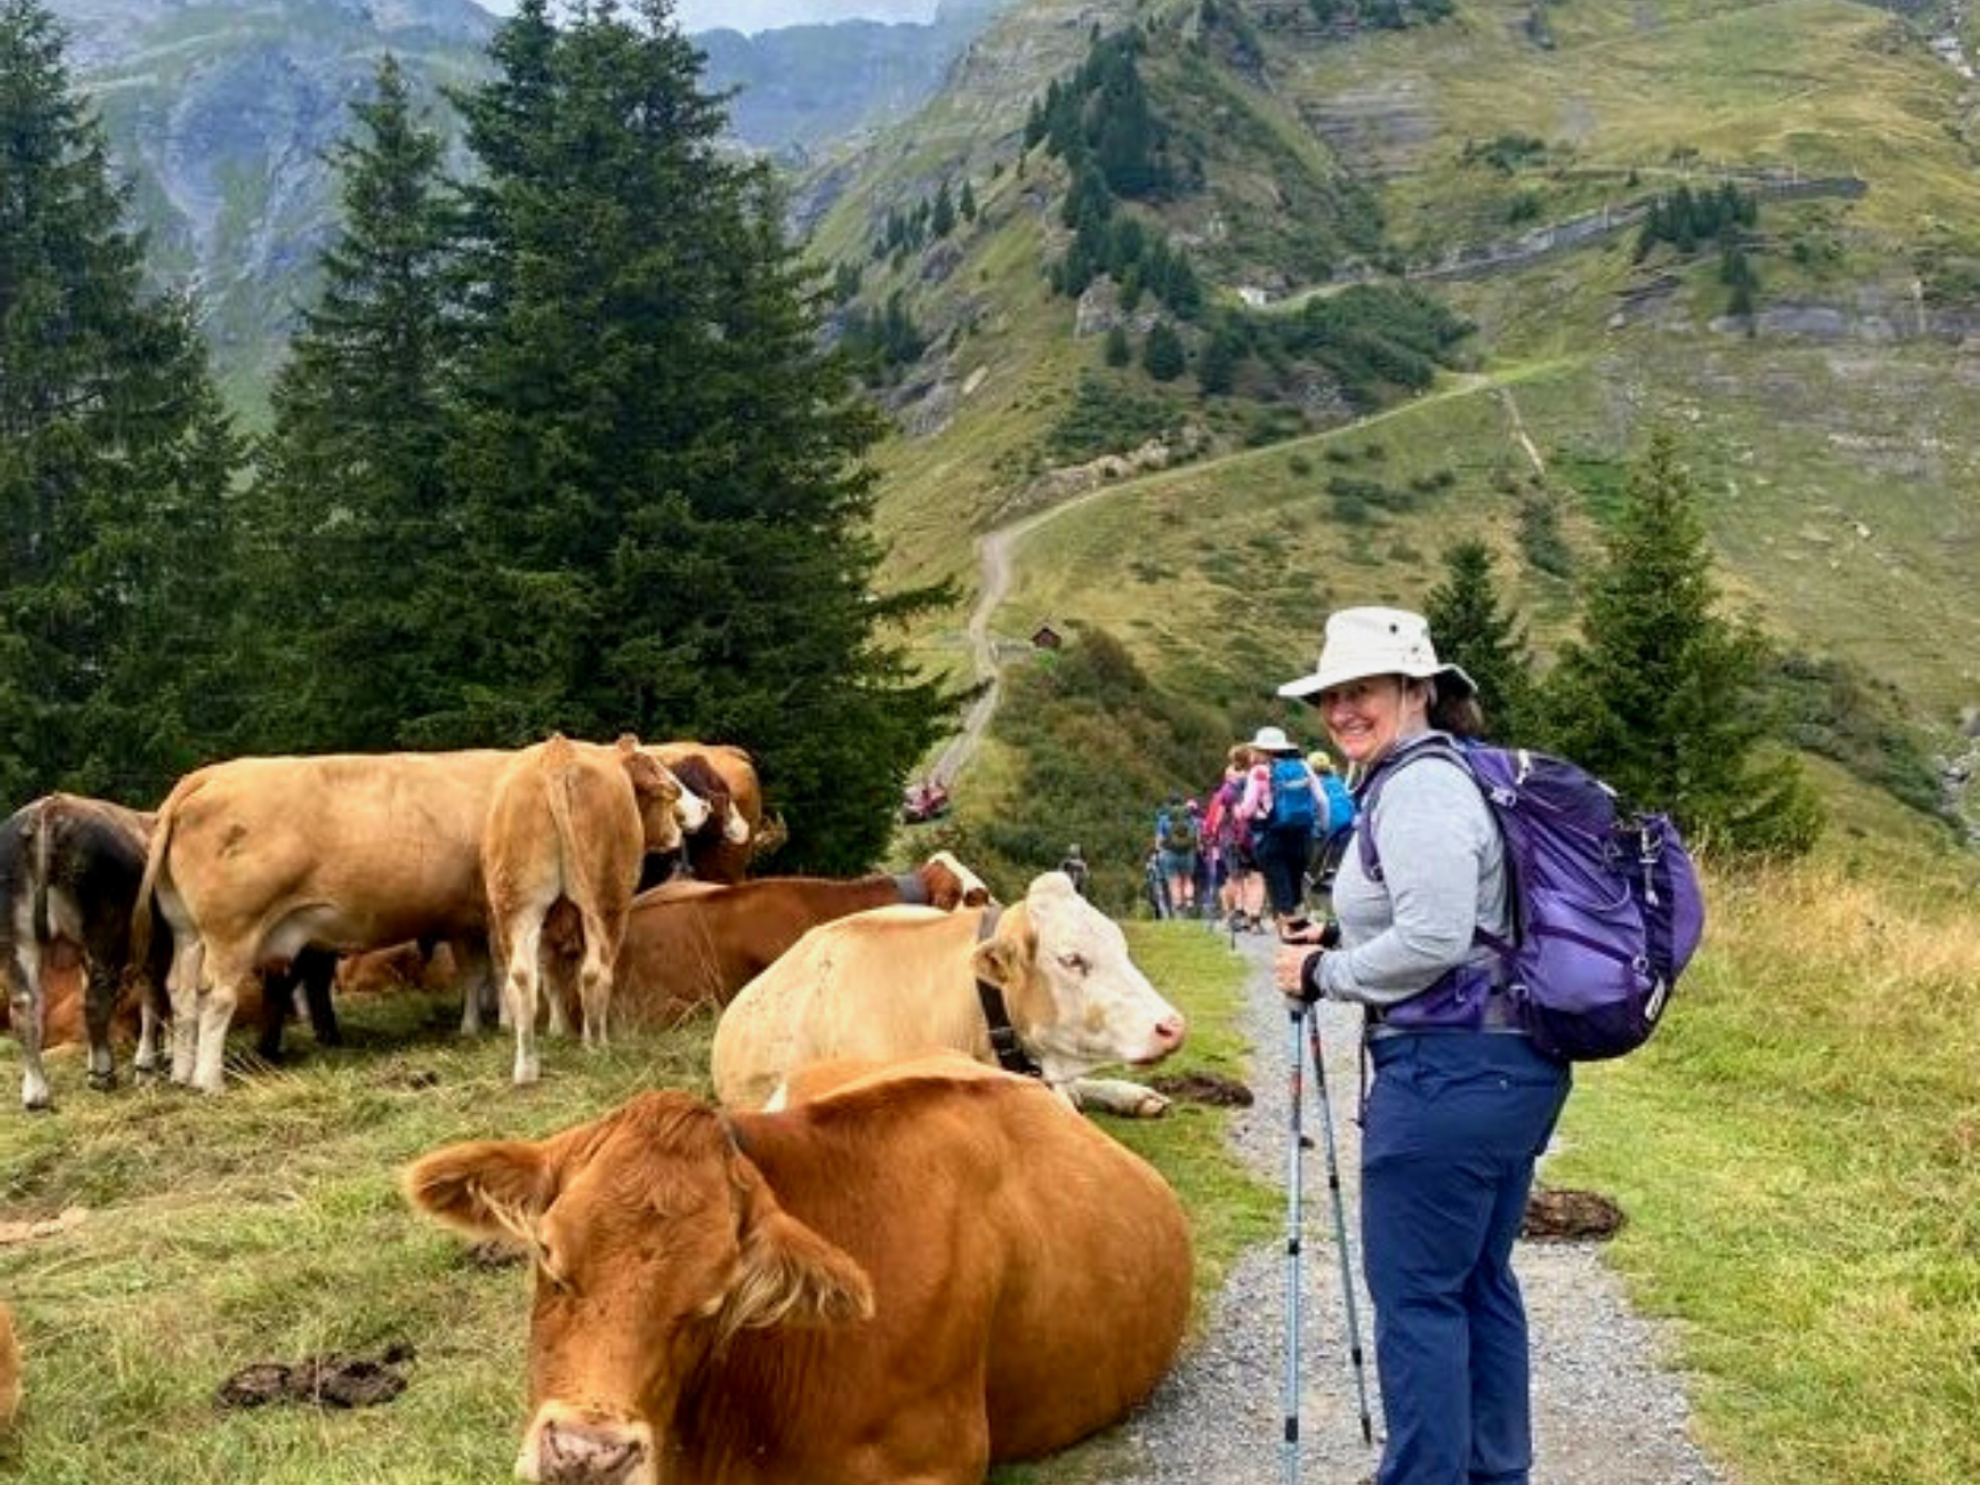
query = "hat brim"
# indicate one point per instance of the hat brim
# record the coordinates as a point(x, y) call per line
point(1451, 680)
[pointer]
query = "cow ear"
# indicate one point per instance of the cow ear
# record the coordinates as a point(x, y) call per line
point(995, 962)
point(649, 779)
point(792, 1276)
point(628, 742)
point(486, 1188)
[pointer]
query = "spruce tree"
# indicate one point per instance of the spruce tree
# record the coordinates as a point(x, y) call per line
point(1661, 696)
point(942, 217)
point(1162, 353)
point(115, 460)
point(359, 528)
point(1471, 630)
point(667, 504)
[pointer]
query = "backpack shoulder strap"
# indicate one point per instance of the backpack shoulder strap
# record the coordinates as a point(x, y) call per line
point(1369, 791)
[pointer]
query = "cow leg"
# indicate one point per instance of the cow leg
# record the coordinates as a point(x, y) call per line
point(99, 1010)
point(1116, 1096)
point(524, 940)
point(182, 983)
point(479, 1001)
point(151, 1032)
point(28, 1007)
point(602, 936)
point(229, 977)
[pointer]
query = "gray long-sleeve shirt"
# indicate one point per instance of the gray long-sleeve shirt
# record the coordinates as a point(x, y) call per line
point(1443, 865)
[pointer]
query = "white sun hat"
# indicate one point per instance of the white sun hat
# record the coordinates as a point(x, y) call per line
point(1274, 740)
point(1362, 642)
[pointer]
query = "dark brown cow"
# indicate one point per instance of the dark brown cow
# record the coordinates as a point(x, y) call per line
point(69, 874)
point(719, 852)
point(922, 1271)
point(693, 944)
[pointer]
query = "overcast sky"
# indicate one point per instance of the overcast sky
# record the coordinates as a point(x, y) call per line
point(762, 15)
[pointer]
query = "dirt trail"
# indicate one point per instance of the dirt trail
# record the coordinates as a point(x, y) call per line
point(995, 548)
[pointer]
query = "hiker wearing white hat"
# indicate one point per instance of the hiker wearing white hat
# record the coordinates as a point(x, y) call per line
point(1286, 805)
point(1462, 1101)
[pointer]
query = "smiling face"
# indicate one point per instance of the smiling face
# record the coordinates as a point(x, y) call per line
point(1368, 717)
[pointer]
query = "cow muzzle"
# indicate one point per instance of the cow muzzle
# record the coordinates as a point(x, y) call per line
point(1164, 1037)
point(564, 1449)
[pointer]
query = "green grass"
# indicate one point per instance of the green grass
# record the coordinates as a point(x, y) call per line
point(1796, 1151)
point(267, 1225)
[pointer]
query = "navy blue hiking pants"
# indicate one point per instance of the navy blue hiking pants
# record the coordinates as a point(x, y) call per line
point(1453, 1126)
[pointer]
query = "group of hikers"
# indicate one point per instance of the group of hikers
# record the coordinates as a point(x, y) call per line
point(1273, 829)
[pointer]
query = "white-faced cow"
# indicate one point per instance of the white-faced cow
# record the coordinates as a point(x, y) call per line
point(255, 858)
point(1045, 983)
point(720, 850)
point(69, 874)
point(916, 1274)
point(570, 822)
point(691, 944)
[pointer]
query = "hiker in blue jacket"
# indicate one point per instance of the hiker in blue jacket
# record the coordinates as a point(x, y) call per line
point(1282, 833)
point(1462, 1103)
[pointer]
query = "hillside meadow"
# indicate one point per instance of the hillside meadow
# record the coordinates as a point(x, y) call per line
point(1796, 1152)
point(266, 1224)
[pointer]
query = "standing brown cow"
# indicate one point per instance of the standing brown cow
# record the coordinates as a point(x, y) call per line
point(254, 859)
point(904, 1279)
point(570, 821)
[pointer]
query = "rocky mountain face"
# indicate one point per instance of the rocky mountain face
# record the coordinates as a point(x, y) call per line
point(799, 87)
point(222, 112)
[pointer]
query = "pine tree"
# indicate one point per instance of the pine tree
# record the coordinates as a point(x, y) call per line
point(359, 528)
point(1162, 353)
point(1660, 696)
point(942, 218)
point(1470, 630)
point(966, 204)
point(1118, 351)
point(115, 460)
point(668, 507)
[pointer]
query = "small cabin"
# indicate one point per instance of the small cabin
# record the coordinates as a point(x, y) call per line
point(1045, 637)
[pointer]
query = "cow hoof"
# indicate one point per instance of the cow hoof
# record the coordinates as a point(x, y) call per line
point(102, 1082)
point(1151, 1105)
point(43, 1105)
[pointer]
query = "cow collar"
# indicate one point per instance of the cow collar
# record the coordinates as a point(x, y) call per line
point(914, 891)
point(1011, 1055)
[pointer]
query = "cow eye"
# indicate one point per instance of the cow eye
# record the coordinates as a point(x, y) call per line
point(1075, 962)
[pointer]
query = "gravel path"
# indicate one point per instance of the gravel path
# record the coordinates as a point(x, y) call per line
point(1606, 1412)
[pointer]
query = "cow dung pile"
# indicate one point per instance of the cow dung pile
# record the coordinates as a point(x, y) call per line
point(1565, 1216)
point(338, 1380)
point(1204, 1087)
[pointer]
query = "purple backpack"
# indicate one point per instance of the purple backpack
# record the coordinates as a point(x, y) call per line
point(1606, 906)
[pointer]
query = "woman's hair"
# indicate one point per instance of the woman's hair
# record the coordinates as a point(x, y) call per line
point(1240, 755)
point(1461, 716)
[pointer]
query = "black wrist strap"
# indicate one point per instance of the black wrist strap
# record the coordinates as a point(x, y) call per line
point(1309, 977)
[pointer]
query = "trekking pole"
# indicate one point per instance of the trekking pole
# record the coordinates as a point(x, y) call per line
point(1293, 1225)
point(1340, 1224)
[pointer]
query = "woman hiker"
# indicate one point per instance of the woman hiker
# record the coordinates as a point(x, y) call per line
point(1462, 1103)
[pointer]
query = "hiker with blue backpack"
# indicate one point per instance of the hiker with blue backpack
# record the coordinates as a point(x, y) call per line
point(1286, 804)
point(1335, 828)
point(1478, 991)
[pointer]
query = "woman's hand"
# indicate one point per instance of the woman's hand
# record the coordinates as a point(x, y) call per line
point(1289, 971)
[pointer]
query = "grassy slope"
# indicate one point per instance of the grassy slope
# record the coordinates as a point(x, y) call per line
point(267, 1225)
point(1219, 575)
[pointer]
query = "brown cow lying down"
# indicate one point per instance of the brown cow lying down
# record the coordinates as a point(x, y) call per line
point(924, 1270)
point(895, 982)
point(10, 1370)
point(694, 944)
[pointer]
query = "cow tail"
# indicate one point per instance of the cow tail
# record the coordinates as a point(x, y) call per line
point(559, 777)
point(44, 850)
point(154, 861)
